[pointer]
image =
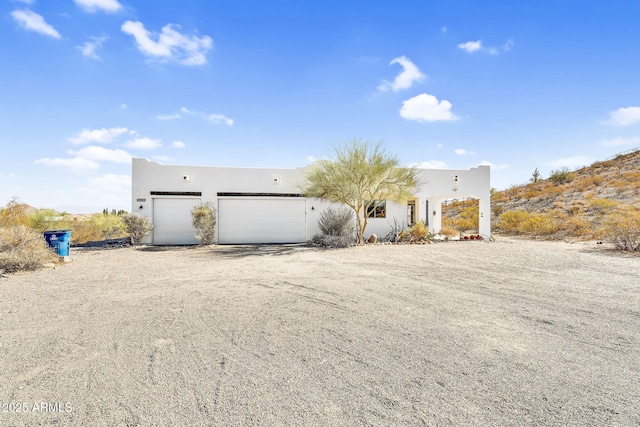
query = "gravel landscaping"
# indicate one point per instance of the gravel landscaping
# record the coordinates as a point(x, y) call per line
point(508, 333)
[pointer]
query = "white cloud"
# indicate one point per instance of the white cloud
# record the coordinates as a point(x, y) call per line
point(103, 136)
point(406, 78)
point(476, 46)
point(220, 119)
point(170, 44)
point(100, 153)
point(178, 144)
point(430, 164)
point(92, 6)
point(427, 108)
point(570, 162)
point(144, 143)
point(76, 165)
point(168, 116)
point(463, 152)
point(624, 116)
point(470, 47)
point(186, 110)
point(444, 30)
point(507, 45)
point(89, 48)
point(34, 22)
point(622, 141)
point(123, 106)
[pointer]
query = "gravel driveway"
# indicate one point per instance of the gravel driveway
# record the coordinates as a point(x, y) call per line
point(462, 333)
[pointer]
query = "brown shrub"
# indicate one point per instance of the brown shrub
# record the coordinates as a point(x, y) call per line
point(623, 229)
point(23, 249)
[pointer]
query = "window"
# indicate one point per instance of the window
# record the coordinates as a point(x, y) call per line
point(376, 209)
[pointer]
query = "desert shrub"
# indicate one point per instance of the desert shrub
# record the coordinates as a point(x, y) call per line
point(137, 226)
point(562, 176)
point(577, 226)
point(396, 233)
point(14, 213)
point(48, 219)
point(23, 249)
point(575, 206)
point(540, 225)
point(602, 205)
point(623, 229)
point(467, 219)
point(449, 231)
point(107, 226)
point(510, 221)
point(333, 241)
point(419, 231)
point(337, 222)
point(203, 217)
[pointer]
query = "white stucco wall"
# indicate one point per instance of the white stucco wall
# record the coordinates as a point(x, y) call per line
point(435, 186)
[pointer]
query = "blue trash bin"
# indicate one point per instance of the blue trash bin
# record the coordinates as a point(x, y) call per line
point(59, 241)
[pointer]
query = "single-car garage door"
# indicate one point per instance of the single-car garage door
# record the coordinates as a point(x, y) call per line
point(172, 221)
point(262, 220)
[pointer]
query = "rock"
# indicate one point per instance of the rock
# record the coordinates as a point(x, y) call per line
point(372, 239)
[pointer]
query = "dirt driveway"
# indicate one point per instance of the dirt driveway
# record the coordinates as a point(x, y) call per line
point(462, 333)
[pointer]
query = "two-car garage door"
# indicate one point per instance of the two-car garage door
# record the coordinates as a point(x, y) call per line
point(262, 220)
point(240, 220)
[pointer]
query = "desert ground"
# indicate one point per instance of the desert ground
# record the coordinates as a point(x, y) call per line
point(507, 333)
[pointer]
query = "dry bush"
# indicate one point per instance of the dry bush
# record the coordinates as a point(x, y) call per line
point(562, 176)
point(137, 226)
point(329, 241)
point(23, 249)
point(449, 231)
point(623, 229)
point(602, 205)
point(14, 213)
point(575, 206)
point(418, 232)
point(337, 222)
point(510, 221)
point(203, 218)
point(540, 225)
point(577, 226)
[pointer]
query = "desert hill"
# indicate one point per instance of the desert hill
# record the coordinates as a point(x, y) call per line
point(565, 204)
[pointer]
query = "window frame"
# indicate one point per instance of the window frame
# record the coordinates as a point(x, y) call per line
point(375, 208)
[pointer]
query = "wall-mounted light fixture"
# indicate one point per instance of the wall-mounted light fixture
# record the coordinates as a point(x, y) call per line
point(312, 208)
point(141, 206)
point(186, 178)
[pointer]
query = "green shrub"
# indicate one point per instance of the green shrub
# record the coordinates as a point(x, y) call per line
point(204, 221)
point(23, 249)
point(561, 176)
point(137, 226)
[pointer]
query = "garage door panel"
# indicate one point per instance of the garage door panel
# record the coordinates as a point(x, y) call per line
point(172, 223)
point(251, 220)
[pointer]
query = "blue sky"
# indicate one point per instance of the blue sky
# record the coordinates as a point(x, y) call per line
point(87, 84)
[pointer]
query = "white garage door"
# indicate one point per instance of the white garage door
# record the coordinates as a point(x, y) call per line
point(172, 221)
point(262, 220)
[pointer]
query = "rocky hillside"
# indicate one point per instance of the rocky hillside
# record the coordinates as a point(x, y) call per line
point(566, 204)
point(616, 180)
